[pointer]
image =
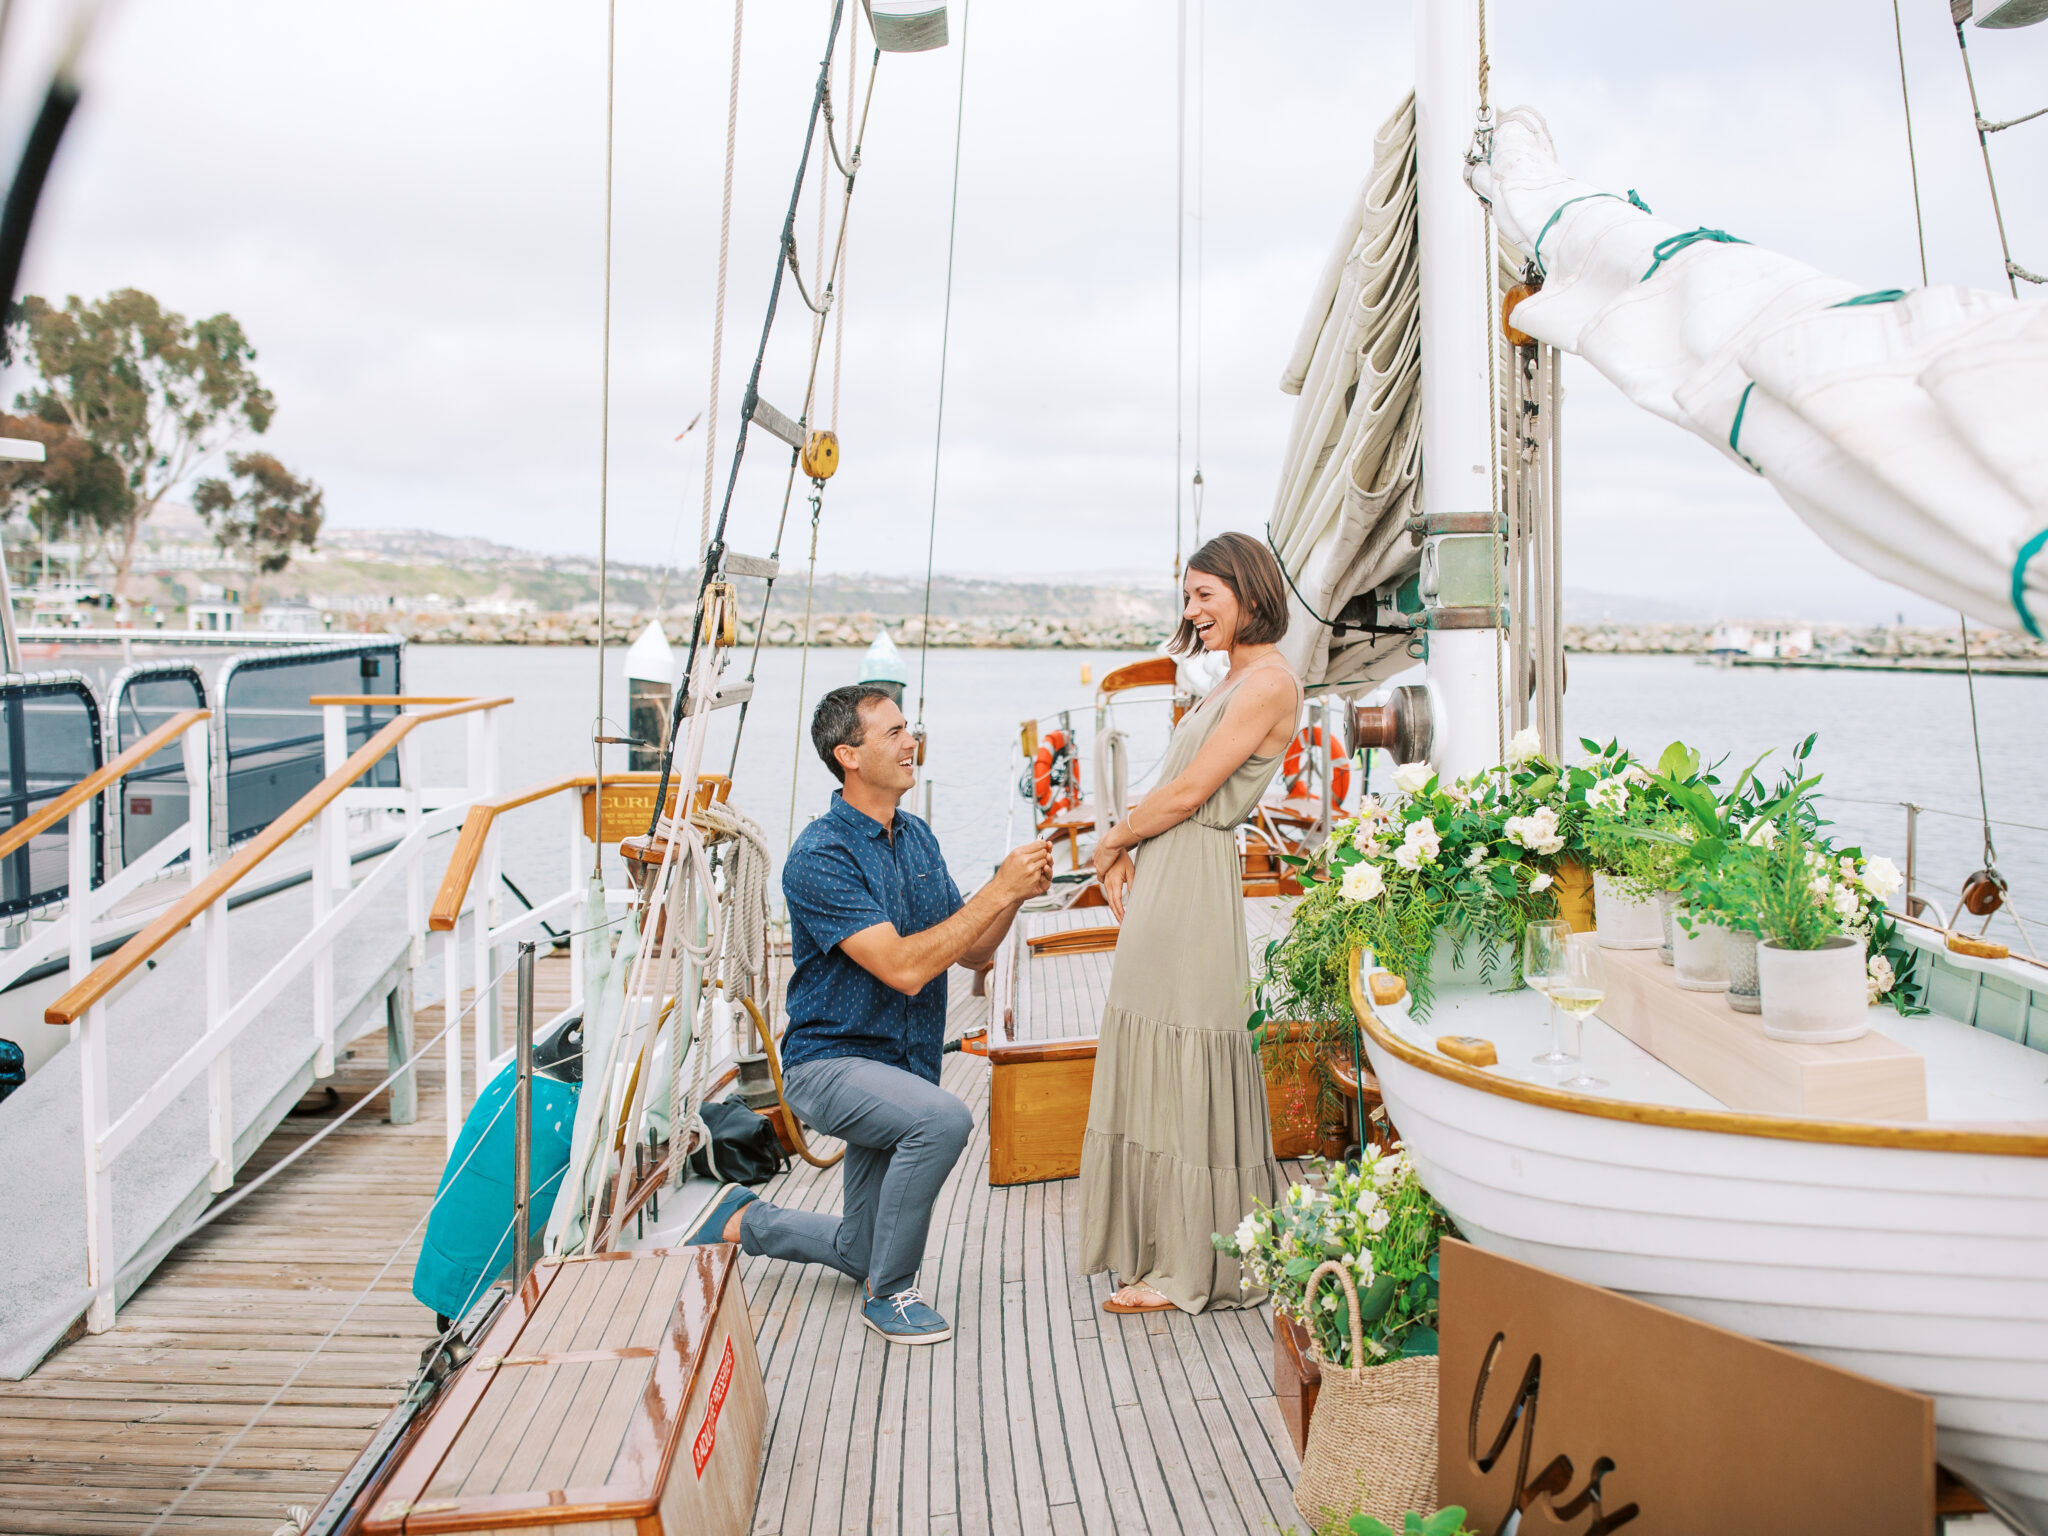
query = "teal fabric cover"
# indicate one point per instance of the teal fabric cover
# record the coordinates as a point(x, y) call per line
point(469, 1234)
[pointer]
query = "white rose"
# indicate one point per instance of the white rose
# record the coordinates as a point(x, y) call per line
point(1881, 977)
point(1366, 839)
point(1610, 795)
point(1762, 834)
point(1542, 882)
point(1247, 1234)
point(1410, 857)
point(1637, 775)
point(1848, 867)
point(1881, 878)
point(1363, 882)
point(1845, 903)
point(1413, 778)
point(1526, 744)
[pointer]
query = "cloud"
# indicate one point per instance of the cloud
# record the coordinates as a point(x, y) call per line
point(404, 204)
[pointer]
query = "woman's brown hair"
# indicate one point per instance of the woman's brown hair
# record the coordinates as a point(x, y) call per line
point(1248, 568)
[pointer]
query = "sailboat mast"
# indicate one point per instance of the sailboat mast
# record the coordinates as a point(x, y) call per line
point(1459, 496)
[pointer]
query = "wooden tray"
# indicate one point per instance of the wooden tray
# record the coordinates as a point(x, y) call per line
point(1701, 1038)
point(618, 1394)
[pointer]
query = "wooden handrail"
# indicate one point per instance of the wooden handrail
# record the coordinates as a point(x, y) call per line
point(99, 780)
point(388, 700)
point(469, 844)
point(103, 978)
point(476, 828)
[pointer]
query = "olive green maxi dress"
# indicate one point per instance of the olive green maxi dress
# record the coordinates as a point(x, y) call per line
point(1178, 1142)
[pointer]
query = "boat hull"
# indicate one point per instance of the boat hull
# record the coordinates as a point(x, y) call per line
point(1925, 1269)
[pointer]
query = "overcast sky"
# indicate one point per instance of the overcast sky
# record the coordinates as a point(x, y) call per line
point(404, 205)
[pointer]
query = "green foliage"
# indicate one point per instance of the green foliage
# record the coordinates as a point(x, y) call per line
point(1786, 888)
point(1448, 1521)
point(1374, 1218)
point(152, 392)
point(264, 514)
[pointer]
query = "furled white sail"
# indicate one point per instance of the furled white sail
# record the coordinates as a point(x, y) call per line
point(1905, 429)
point(1352, 473)
point(1352, 465)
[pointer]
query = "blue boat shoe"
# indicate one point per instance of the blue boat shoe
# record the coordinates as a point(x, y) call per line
point(711, 1227)
point(904, 1319)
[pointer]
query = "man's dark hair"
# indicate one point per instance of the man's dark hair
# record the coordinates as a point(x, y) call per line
point(1248, 568)
point(836, 721)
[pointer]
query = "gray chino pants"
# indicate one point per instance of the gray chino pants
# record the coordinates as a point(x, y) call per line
point(902, 1137)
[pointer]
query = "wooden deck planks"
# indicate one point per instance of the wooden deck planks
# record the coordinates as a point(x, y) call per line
point(1043, 1416)
point(113, 1426)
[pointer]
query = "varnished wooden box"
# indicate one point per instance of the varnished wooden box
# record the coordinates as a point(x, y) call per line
point(1701, 1038)
point(614, 1396)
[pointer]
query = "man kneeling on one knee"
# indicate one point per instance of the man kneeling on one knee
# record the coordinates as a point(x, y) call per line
point(875, 921)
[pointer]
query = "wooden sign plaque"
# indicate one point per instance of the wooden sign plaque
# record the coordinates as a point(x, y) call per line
point(1593, 1412)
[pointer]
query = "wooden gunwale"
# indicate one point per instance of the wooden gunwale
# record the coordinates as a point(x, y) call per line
point(2016, 1142)
point(103, 978)
point(99, 780)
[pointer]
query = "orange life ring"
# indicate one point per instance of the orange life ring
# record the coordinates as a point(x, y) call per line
point(1051, 801)
point(1298, 788)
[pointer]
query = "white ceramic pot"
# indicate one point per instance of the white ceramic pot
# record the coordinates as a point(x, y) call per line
point(1701, 955)
point(1816, 996)
point(1621, 921)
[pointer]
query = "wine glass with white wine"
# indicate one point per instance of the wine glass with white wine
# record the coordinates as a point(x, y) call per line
point(1544, 967)
point(1582, 989)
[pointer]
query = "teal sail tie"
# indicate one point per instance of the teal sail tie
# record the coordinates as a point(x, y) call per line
point(1536, 252)
point(2019, 581)
point(1882, 296)
point(1735, 431)
point(1666, 249)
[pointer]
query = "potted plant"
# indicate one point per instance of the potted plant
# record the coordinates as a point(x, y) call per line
point(1812, 974)
point(1352, 1260)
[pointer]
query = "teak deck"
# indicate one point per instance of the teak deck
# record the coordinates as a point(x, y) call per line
point(1042, 1415)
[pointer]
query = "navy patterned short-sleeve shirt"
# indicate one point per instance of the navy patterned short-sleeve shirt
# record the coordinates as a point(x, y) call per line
point(848, 872)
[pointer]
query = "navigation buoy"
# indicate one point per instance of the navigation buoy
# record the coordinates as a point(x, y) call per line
point(883, 667)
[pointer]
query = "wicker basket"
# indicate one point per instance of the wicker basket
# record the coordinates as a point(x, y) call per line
point(1372, 1442)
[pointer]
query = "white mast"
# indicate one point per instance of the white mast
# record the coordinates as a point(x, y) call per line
point(1465, 664)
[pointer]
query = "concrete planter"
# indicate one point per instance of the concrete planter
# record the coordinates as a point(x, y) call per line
point(1815, 996)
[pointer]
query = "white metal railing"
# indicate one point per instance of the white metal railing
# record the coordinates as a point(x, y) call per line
point(339, 899)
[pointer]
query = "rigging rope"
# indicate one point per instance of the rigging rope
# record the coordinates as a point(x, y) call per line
point(1180, 241)
point(1664, 250)
point(714, 549)
point(1495, 488)
point(1977, 745)
point(924, 639)
point(1201, 211)
point(2013, 271)
point(732, 126)
point(1912, 160)
point(604, 456)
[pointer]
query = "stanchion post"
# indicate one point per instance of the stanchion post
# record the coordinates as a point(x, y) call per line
point(522, 1122)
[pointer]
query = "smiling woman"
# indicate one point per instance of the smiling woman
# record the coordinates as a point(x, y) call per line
point(1178, 1144)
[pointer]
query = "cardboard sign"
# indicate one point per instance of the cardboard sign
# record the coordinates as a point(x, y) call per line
point(1591, 1412)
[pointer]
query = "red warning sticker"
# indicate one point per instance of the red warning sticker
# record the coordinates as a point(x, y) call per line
point(707, 1433)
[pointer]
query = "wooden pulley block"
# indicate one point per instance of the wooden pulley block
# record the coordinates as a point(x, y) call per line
point(1516, 337)
point(712, 788)
point(1983, 893)
point(721, 625)
point(821, 455)
point(919, 735)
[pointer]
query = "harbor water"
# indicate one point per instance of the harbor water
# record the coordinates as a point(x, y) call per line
point(1883, 738)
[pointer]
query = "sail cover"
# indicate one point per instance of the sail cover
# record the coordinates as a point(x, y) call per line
point(1353, 462)
point(1351, 476)
point(1904, 428)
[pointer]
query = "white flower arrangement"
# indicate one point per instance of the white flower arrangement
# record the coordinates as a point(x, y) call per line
point(1537, 831)
point(1609, 795)
point(1879, 978)
point(1525, 746)
point(1363, 882)
point(1413, 778)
